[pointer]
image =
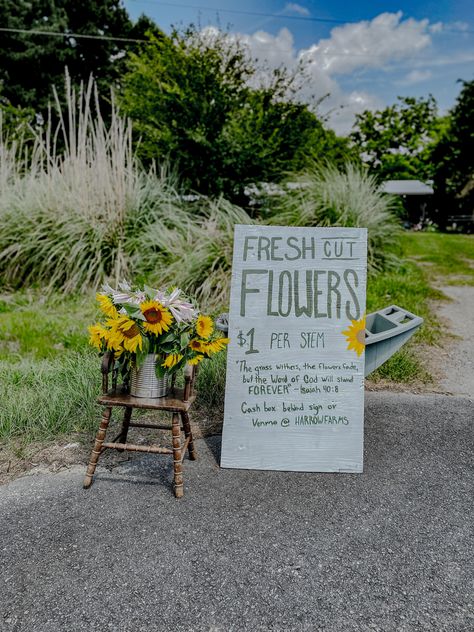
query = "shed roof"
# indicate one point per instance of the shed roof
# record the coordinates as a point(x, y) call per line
point(406, 187)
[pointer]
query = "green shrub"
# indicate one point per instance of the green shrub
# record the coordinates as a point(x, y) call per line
point(211, 384)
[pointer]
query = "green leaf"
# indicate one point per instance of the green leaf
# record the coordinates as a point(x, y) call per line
point(149, 291)
point(166, 338)
point(160, 371)
point(168, 348)
point(133, 311)
point(142, 354)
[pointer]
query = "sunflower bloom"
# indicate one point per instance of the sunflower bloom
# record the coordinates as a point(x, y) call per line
point(172, 360)
point(158, 318)
point(98, 335)
point(196, 360)
point(196, 345)
point(215, 345)
point(204, 326)
point(355, 335)
point(126, 332)
point(114, 340)
point(106, 306)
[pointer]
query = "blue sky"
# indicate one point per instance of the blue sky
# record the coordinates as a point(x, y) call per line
point(364, 55)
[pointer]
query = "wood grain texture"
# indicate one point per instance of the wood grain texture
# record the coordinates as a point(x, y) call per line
point(177, 402)
point(172, 402)
point(97, 449)
point(177, 457)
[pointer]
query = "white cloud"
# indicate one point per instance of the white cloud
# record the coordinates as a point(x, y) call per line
point(361, 46)
point(437, 27)
point(272, 50)
point(416, 76)
point(370, 44)
point(296, 8)
point(457, 26)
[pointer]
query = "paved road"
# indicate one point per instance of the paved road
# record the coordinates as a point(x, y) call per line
point(390, 549)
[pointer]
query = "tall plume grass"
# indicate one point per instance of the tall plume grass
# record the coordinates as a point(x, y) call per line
point(325, 196)
point(197, 255)
point(72, 211)
point(77, 209)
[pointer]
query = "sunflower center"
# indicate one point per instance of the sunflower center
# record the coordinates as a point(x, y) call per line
point(132, 332)
point(152, 315)
point(360, 337)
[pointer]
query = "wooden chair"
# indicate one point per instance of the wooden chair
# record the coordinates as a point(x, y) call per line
point(177, 402)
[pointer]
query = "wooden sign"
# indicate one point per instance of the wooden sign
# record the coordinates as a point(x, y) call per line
point(295, 367)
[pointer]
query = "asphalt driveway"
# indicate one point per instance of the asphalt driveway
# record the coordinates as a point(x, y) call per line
point(389, 549)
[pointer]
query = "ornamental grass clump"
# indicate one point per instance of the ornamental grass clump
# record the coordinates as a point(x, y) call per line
point(76, 205)
point(138, 322)
point(198, 255)
point(325, 196)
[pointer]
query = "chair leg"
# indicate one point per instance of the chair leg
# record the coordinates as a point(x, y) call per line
point(96, 450)
point(127, 415)
point(188, 433)
point(177, 464)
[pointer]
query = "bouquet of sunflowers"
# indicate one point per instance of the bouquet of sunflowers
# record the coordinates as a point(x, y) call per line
point(138, 322)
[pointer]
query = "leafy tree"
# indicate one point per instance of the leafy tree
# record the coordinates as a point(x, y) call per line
point(190, 101)
point(269, 137)
point(30, 63)
point(15, 123)
point(453, 158)
point(396, 142)
point(180, 92)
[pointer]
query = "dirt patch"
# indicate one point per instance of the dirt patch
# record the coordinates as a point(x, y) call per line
point(416, 387)
point(452, 363)
point(19, 458)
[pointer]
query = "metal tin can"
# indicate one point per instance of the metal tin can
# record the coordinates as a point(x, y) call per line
point(143, 381)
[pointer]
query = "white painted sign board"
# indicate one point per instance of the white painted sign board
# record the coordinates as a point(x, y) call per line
point(295, 365)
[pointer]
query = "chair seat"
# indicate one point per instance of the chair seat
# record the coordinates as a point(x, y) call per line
point(173, 402)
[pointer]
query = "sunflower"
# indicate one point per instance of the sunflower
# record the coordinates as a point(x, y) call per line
point(196, 345)
point(172, 360)
point(98, 335)
point(157, 318)
point(355, 335)
point(196, 360)
point(106, 306)
point(125, 331)
point(114, 340)
point(204, 326)
point(215, 345)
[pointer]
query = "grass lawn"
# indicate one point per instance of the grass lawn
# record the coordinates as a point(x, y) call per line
point(430, 259)
point(50, 377)
point(443, 255)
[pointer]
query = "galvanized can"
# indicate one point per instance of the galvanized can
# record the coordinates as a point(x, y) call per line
point(143, 381)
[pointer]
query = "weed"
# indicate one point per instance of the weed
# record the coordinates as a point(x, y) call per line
point(403, 367)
